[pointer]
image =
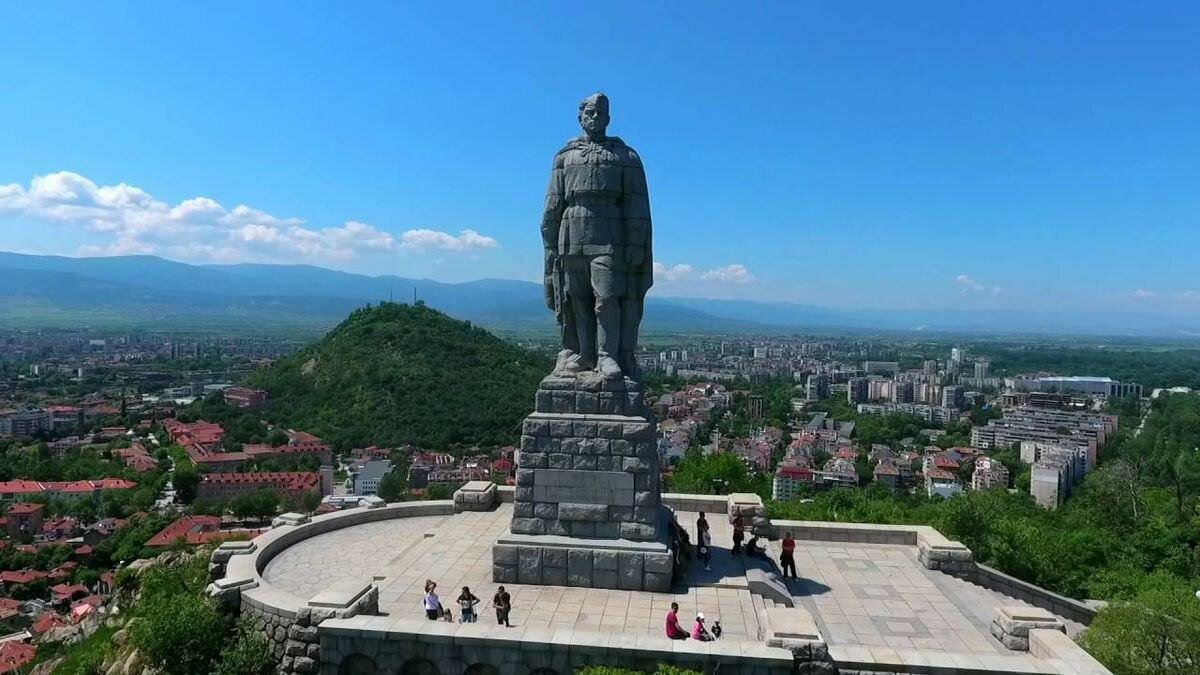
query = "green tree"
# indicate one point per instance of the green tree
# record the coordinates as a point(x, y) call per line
point(393, 487)
point(717, 473)
point(1156, 632)
point(248, 655)
point(186, 480)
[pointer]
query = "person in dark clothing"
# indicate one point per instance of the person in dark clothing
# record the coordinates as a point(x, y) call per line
point(503, 604)
point(467, 602)
point(739, 533)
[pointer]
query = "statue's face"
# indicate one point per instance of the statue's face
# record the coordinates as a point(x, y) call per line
point(593, 119)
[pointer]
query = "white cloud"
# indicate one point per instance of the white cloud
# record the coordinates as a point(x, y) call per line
point(1143, 293)
point(1190, 295)
point(972, 286)
point(467, 241)
point(201, 228)
point(673, 273)
point(729, 274)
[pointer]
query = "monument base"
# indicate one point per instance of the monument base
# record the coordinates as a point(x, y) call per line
point(556, 560)
point(587, 509)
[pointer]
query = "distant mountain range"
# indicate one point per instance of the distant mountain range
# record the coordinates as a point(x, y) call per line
point(151, 292)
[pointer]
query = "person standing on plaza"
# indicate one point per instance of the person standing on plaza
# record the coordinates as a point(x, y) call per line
point(466, 603)
point(787, 558)
point(739, 533)
point(701, 530)
point(433, 605)
point(503, 604)
point(674, 630)
point(706, 549)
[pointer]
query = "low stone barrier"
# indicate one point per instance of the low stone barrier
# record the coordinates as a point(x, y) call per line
point(1056, 649)
point(476, 495)
point(696, 503)
point(1075, 610)
point(366, 645)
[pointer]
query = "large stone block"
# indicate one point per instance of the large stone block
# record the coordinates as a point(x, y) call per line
point(523, 509)
point(505, 555)
point(584, 430)
point(582, 528)
point(546, 510)
point(554, 557)
point(605, 560)
point(579, 567)
point(554, 576)
point(637, 531)
point(605, 579)
point(660, 563)
point(560, 460)
point(630, 570)
point(656, 582)
point(525, 477)
point(528, 526)
point(529, 565)
point(504, 574)
point(584, 462)
point(592, 512)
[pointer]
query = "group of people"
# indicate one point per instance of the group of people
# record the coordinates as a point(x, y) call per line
point(699, 631)
point(502, 602)
point(787, 556)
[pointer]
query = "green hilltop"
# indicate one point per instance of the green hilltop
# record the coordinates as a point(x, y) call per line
point(395, 374)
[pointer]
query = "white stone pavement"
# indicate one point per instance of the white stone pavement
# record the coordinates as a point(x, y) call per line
point(869, 595)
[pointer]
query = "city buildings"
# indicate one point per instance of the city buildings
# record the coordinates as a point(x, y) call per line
point(1082, 384)
point(881, 367)
point(929, 413)
point(989, 474)
point(243, 397)
point(24, 519)
point(292, 484)
point(368, 474)
point(857, 390)
point(818, 386)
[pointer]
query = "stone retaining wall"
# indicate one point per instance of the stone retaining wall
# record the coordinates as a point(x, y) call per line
point(375, 645)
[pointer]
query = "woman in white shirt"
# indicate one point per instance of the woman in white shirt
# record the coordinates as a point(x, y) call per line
point(433, 606)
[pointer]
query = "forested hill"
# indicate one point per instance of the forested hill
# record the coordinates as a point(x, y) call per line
point(395, 374)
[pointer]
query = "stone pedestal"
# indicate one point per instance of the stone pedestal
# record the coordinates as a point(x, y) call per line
point(587, 508)
point(1011, 625)
point(476, 495)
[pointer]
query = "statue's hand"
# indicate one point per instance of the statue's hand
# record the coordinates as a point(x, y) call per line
point(634, 255)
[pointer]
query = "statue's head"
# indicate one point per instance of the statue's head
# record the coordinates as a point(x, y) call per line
point(593, 115)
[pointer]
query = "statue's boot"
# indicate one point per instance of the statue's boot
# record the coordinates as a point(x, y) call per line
point(608, 366)
point(568, 363)
point(629, 365)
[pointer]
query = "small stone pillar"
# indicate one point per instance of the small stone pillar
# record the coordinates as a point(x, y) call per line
point(476, 495)
point(754, 514)
point(1011, 625)
point(290, 518)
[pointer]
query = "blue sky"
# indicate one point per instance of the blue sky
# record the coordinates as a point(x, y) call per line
point(897, 155)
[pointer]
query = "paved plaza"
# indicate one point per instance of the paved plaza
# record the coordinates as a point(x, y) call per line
point(869, 595)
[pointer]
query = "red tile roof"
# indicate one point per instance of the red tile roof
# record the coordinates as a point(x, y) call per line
point(21, 576)
point(47, 621)
point(14, 655)
point(24, 508)
point(187, 528)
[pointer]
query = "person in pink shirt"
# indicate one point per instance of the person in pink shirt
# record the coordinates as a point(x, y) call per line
point(674, 630)
point(699, 632)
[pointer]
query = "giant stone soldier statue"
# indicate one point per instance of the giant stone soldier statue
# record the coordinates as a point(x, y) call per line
point(596, 232)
